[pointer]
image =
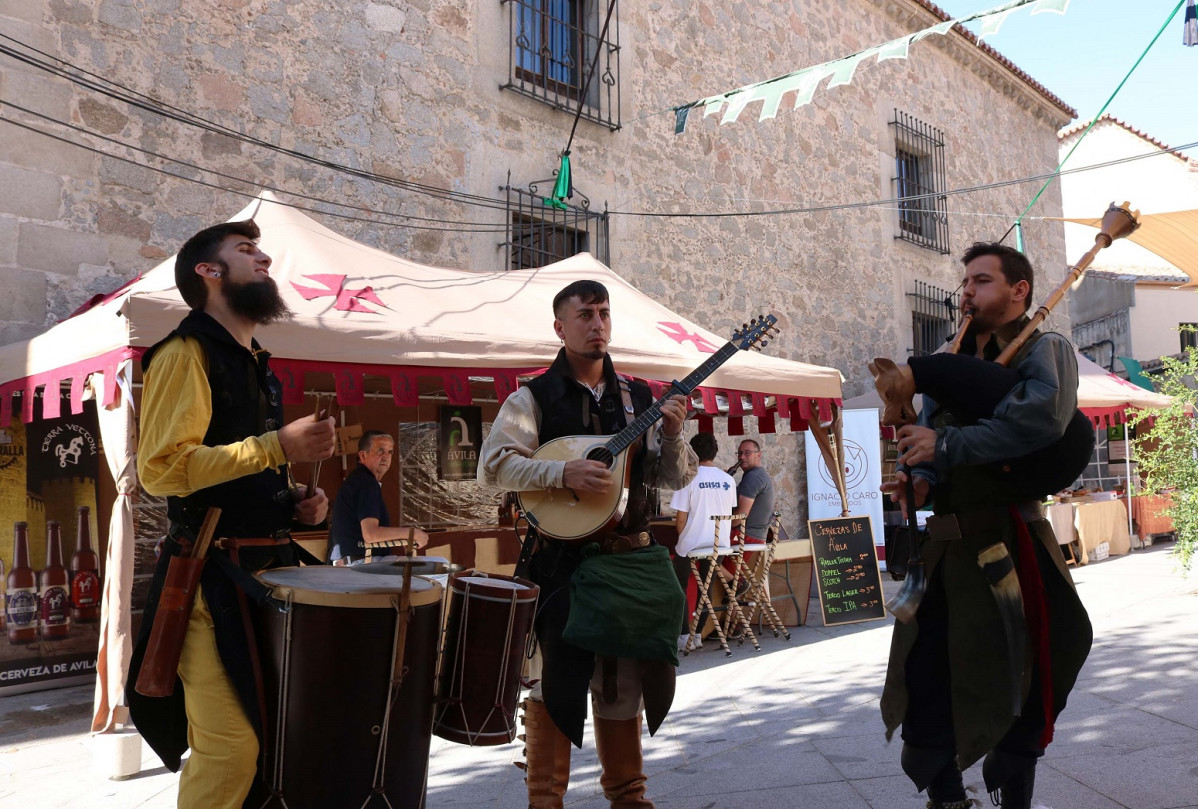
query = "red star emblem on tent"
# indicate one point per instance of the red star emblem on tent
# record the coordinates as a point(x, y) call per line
point(347, 300)
point(678, 333)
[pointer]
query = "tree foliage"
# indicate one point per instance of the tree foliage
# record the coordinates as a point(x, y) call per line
point(1166, 448)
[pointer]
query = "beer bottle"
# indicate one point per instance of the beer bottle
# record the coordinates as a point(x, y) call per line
point(52, 587)
point(20, 603)
point(85, 580)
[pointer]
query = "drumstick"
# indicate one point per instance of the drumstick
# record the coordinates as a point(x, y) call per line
point(317, 416)
point(206, 531)
point(404, 616)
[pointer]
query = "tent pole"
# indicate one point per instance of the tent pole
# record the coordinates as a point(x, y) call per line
point(1127, 466)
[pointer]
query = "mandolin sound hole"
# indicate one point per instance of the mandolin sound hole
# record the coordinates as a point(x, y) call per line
point(601, 455)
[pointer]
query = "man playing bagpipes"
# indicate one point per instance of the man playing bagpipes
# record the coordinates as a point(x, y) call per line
point(212, 437)
point(599, 582)
point(983, 663)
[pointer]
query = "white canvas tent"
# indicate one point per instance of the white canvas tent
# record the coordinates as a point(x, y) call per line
point(363, 314)
point(1172, 235)
point(1106, 398)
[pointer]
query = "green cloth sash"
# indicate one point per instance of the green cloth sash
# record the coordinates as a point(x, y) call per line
point(626, 605)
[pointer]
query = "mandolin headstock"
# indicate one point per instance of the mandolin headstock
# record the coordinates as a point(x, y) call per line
point(752, 335)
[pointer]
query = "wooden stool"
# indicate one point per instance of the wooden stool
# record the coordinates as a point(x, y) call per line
point(758, 593)
point(731, 607)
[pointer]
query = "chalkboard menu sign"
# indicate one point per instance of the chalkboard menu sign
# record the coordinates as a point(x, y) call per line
point(846, 570)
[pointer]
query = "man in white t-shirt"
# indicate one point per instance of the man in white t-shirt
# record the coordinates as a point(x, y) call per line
point(712, 492)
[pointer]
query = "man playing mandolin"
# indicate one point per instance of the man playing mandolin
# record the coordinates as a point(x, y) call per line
point(581, 394)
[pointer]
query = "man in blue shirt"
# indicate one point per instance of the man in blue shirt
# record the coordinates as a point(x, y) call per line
point(359, 513)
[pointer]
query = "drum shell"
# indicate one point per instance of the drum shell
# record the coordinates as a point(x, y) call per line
point(338, 674)
point(479, 683)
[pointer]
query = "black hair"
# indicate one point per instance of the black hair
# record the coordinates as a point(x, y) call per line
point(1015, 266)
point(705, 446)
point(585, 291)
point(202, 248)
point(368, 438)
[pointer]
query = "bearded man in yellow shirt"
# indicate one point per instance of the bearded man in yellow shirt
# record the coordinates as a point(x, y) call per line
point(212, 434)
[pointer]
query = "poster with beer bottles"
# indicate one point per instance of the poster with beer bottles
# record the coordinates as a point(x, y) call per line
point(50, 572)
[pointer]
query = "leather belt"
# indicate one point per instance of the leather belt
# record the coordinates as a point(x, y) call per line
point(947, 527)
point(617, 543)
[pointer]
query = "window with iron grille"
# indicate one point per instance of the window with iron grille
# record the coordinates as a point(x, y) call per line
point(919, 183)
point(540, 234)
point(933, 318)
point(1189, 335)
point(553, 43)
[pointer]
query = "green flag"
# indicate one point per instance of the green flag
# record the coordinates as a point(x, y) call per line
point(563, 189)
point(1136, 375)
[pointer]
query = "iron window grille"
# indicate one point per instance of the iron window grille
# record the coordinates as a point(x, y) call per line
point(540, 234)
point(919, 183)
point(553, 44)
point(1189, 335)
point(933, 318)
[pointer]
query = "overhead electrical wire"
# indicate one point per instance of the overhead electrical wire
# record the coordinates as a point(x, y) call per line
point(155, 106)
point(905, 199)
point(149, 104)
point(481, 226)
point(500, 229)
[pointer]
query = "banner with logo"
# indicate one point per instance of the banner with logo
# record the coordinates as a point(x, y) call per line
point(50, 550)
point(862, 472)
point(459, 437)
point(1117, 443)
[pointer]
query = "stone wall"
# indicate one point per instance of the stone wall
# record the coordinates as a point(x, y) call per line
point(410, 90)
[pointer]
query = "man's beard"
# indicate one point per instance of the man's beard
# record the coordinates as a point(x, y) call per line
point(256, 301)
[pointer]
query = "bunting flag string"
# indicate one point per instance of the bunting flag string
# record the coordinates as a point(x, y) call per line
point(804, 83)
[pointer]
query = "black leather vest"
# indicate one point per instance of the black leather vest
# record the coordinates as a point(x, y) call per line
point(971, 488)
point(569, 408)
point(247, 400)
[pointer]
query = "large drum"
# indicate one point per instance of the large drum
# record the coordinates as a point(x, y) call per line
point(489, 620)
point(349, 708)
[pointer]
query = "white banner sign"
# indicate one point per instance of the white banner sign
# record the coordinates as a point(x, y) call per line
point(862, 473)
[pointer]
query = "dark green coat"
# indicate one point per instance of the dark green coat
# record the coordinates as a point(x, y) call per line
point(979, 668)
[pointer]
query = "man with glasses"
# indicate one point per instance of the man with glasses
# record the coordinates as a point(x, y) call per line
point(755, 492)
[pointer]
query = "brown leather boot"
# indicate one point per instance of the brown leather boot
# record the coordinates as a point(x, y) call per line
point(547, 749)
point(896, 386)
point(621, 767)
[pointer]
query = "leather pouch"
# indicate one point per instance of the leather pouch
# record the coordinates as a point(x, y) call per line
point(160, 666)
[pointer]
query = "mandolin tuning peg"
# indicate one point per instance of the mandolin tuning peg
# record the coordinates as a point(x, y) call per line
point(764, 343)
point(744, 326)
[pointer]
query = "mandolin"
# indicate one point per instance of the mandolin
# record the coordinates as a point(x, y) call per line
point(568, 515)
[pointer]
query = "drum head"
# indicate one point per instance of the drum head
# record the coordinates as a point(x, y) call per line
point(344, 587)
point(389, 565)
point(477, 584)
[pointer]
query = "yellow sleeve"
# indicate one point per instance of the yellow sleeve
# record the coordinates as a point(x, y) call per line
point(176, 407)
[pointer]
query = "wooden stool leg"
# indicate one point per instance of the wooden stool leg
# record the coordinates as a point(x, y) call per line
point(735, 614)
point(704, 600)
point(765, 603)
